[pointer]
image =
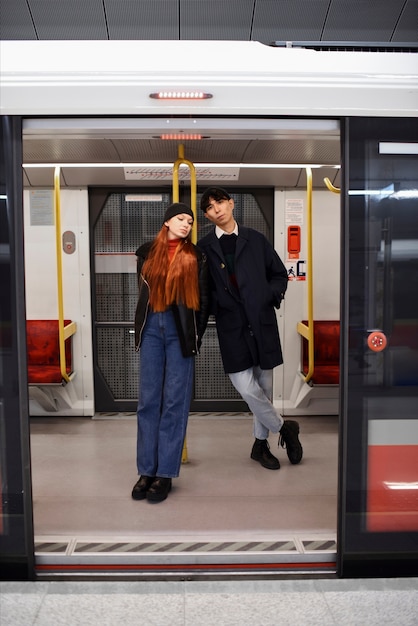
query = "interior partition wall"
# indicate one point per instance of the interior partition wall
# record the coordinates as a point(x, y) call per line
point(122, 220)
point(378, 511)
point(16, 527)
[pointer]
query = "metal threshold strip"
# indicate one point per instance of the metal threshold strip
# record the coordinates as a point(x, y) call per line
point(74, 557)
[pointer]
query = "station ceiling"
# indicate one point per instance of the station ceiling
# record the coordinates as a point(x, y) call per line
point(266, 21)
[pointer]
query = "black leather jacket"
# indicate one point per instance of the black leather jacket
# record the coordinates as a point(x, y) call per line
point(191, 325)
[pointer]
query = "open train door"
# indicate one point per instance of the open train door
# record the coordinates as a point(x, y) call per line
point(378, 522)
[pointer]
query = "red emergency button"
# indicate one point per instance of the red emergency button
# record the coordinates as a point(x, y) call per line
point(377, 341)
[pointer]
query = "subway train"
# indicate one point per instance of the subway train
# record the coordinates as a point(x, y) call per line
point(319, 150)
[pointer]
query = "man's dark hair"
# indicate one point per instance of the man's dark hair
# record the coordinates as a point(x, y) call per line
point(217, 193)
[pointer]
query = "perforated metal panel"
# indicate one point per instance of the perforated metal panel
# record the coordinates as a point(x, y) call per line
point(239, 20)
point(123, 225)
point(116, 296)
point(118, 361)
point(211, 382)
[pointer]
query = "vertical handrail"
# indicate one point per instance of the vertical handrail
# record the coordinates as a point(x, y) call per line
point(176, 195)
point(57, 208)
point(308, 332)
point(193, 186)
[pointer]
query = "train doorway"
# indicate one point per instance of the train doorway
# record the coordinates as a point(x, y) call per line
point(215, 436)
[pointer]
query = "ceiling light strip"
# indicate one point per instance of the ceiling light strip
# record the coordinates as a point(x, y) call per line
point(197, 165)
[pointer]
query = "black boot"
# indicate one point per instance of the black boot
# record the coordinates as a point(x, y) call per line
point(289, 438)
point(139, 492)
point(159, 489)
point(261, 453)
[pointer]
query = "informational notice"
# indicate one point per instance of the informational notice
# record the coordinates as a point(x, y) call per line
point(41, 207)
point(294, 211)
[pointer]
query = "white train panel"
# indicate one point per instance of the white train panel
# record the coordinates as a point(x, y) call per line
point(244, 78)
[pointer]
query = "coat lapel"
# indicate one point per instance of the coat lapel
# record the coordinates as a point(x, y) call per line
point(241, 241)
point(216, 247)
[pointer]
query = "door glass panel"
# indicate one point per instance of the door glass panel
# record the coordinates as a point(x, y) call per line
point(16, 526)
point(381, 475)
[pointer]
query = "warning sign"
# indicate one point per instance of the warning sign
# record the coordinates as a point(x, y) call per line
point(296, 270)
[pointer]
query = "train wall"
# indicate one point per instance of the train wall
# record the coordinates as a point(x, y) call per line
point(290, 207)
point(42, 290)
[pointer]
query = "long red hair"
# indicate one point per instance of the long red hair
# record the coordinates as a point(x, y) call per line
point(172, 282)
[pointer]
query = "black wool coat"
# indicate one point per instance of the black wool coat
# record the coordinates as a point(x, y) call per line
point(250, 314)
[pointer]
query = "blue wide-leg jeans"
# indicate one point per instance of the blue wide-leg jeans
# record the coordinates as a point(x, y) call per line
point(165, 389)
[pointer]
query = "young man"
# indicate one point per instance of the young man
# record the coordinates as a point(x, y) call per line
point(248, 281)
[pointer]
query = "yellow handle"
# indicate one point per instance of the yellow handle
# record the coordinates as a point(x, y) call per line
point(308, 331)
point(193, 186)
point(176, 195)
point(330, 186)
point(64, 332)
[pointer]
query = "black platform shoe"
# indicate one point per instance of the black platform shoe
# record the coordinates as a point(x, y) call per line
point(289, 439)
point(261, 453)
point(159, 489)
point(139, 492)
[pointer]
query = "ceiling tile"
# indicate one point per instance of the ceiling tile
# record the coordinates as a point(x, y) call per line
point(289, 20)
point(216, 19)
point(406, 29)
point(357, 20)
point(69, 19)
point(15, 21)
point(142, 19)
point(69, 151)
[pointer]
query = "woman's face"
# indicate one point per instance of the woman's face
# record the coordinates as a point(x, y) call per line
point(179, 226)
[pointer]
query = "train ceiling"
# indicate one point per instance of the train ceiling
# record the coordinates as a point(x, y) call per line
point(369, 24)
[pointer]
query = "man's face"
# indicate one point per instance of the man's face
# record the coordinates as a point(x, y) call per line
point(220, 212)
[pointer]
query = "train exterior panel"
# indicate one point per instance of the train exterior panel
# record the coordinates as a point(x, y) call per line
point(366, 238)
point(243, 78)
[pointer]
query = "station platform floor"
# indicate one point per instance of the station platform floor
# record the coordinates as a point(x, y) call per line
point(333, 602)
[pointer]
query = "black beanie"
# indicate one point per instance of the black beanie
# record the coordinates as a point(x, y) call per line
point(175, 209)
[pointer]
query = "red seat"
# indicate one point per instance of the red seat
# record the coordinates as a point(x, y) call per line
point(326, 352)
point(43, 352)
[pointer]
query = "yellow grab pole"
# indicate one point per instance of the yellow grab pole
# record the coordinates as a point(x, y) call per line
point(57, 208)
point(193, 186)
point(176, 195)
point(308, 332)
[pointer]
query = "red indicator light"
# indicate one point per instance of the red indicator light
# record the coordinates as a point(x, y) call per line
point(180, 95)
point(181, 136)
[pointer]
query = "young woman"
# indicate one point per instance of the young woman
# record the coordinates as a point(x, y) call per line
point(170, 320)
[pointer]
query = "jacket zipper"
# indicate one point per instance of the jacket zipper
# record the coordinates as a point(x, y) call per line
point(146, 311)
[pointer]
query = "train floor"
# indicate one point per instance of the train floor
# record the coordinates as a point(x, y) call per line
point(224, 507)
